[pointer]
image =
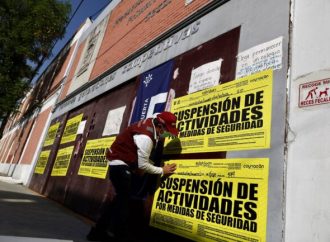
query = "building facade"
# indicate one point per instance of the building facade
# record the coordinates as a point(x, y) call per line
point(237, 76)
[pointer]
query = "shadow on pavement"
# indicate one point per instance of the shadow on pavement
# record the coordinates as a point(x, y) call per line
point(26, 214)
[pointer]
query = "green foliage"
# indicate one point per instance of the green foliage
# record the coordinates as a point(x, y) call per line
point(28, 30)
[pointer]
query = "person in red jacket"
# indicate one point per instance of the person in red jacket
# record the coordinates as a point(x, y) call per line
point(130, 152)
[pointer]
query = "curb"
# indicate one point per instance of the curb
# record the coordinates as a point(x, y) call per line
point(10, 180)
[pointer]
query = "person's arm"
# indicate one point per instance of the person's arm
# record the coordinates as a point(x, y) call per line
point(144, 145)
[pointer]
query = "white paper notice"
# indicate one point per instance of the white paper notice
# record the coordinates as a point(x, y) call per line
point(114, 119)
point(81, 127)
point(261, 57)
point(205, 76)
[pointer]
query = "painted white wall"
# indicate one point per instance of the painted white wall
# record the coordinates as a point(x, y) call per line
point(308, 161)
point(80, 79)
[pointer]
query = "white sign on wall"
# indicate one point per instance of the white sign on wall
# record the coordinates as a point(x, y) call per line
point(81, 127)
point(205, 76)
point(113, 123)
point(261, 57)
point(314, 93)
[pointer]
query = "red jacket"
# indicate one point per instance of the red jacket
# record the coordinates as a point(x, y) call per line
point(124, 148)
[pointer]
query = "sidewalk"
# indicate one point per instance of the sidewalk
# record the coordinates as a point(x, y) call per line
point(26, 216)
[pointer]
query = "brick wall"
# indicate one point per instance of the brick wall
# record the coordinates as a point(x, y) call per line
point(21, 141)
point(12, 147)
point(133, 24)
point(61, 72)
point(5, 145)
point(31, 148)
point(70, 77)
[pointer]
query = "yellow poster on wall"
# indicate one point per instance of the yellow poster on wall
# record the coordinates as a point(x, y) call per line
point(214, 200)
point(62, 161)
point(71, 127)
point(42, 162)
point(51, 134)
point(231, 116)
point(94, 163)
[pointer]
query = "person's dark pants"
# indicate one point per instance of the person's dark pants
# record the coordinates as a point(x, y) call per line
point(117, 214)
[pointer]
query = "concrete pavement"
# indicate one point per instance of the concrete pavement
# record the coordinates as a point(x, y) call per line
point(25, 216)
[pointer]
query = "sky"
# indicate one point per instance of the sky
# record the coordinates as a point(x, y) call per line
point(87, 8)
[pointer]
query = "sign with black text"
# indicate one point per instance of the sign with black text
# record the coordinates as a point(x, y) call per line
point(214, 200)
point(231, 116)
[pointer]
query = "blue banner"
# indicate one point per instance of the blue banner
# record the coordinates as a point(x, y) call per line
point(152, 93)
